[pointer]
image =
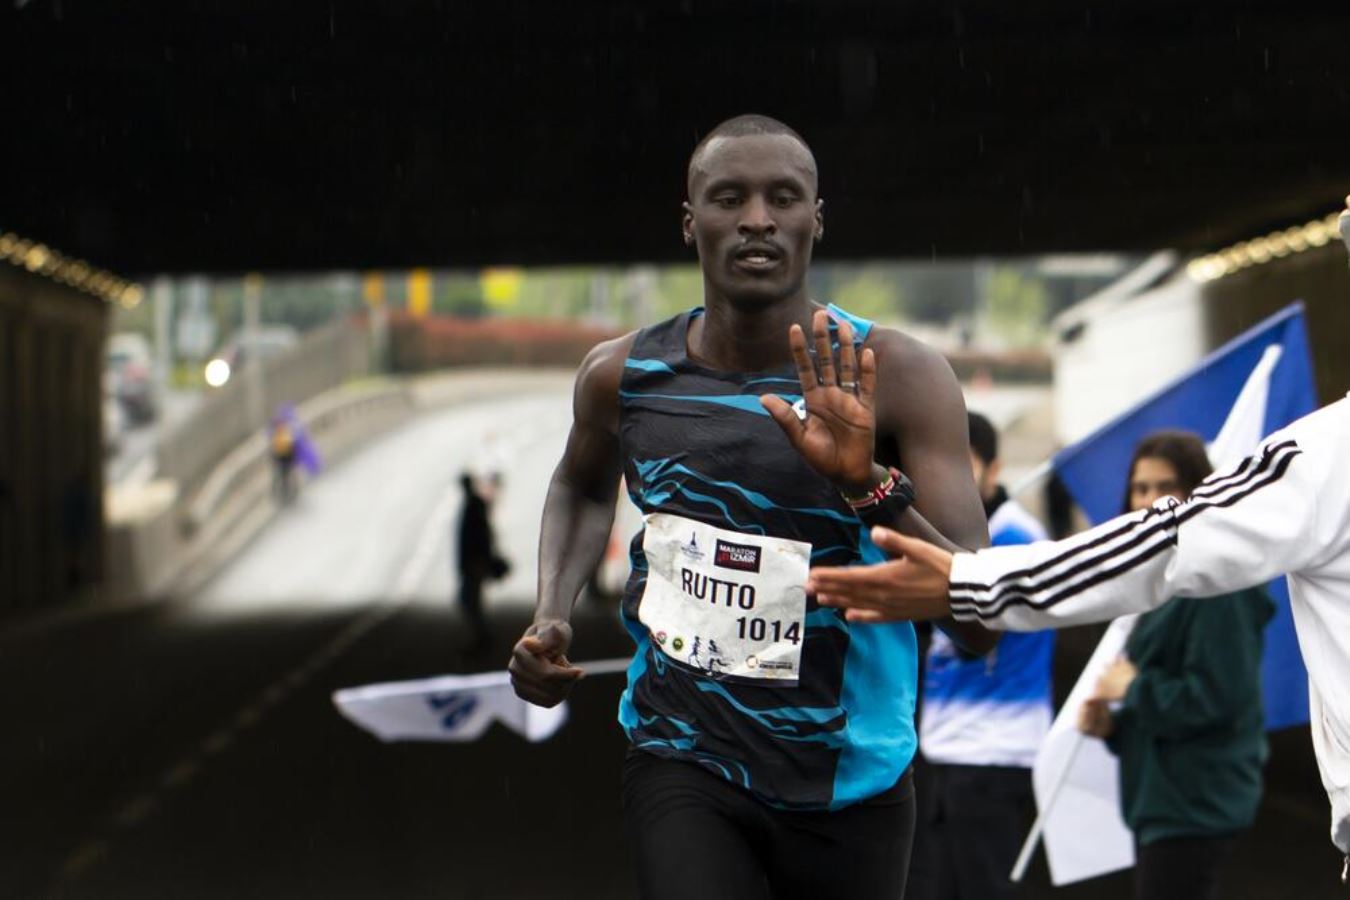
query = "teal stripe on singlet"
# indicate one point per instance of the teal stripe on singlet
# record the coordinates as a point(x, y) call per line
point(881, 674)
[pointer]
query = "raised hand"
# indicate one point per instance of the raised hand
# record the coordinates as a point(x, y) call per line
point(837, 436)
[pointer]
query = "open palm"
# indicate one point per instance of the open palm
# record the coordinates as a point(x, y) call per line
point(837, 434)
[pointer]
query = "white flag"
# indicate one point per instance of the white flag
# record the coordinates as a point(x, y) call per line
point(454, 707)
point(1077, 782)
point(1244, 428)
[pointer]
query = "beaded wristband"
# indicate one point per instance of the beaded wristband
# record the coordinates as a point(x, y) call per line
point(874, 496)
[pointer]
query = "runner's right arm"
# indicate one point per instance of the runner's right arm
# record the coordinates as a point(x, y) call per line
point(578, 515)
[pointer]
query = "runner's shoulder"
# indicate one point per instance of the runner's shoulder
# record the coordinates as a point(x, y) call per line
point(599, 375)
point(908, 359)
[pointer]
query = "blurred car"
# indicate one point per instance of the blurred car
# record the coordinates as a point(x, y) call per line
point(130, 367)
point(271, 341)
point(114, 420)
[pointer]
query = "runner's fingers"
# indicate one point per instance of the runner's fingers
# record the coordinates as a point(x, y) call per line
point(820, 324)
point(782, 413)
point(806, 370)
point(540, 681)
point(539, 697)
point(867, 377)
point(848, 364)
point(530, 660)
point(525, 666)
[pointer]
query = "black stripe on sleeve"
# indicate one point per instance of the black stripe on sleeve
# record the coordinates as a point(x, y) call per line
point(1008, 590)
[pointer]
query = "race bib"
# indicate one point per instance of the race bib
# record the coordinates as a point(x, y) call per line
point(724, 603)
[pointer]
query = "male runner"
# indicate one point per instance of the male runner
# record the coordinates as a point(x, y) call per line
point(1285, 509)
point(771, 740)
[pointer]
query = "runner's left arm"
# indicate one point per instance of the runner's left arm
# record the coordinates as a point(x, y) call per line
point(923, 419)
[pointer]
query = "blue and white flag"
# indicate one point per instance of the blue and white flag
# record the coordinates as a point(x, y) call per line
point(455, 708)
point(1236, 396)
point(1202, 401)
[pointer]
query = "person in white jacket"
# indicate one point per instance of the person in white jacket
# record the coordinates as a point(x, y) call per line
point(1284, 510)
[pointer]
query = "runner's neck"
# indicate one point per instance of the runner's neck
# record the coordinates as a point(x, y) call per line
point(735, 339)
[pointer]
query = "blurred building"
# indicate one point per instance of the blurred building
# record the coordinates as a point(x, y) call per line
point(1150, 326)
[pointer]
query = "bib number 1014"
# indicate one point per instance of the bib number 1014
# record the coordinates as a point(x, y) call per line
point(757, 629)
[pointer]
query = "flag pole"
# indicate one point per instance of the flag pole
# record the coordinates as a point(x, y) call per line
point(1031, 478)
point(1019, 869)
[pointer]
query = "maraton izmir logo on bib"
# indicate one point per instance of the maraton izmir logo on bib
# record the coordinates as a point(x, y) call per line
point(743, 557)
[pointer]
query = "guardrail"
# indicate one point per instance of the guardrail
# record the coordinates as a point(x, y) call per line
point(325, 358)
point(323, 417)
point(177, 537)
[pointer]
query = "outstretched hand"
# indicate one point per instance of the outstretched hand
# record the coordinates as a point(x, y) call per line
point(837, 435)
point(912, 586)
point(540, 672)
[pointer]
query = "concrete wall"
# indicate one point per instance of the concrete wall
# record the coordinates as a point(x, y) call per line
point(51, 465)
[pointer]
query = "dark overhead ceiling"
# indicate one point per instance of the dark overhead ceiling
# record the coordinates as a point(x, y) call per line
point(297, 135)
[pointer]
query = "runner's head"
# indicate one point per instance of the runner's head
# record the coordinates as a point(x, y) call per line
point(753, 212)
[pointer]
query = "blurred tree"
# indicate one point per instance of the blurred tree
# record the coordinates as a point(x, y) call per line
point(871, 292)
point(458, 294)
point(1017, 304)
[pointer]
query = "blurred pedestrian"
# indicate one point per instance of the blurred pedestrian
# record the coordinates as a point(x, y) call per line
point(289, 444)
point(1182, 708)
point(982, 721)
point(478, 560)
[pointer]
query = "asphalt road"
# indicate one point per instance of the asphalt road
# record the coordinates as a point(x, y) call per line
point(190, 749)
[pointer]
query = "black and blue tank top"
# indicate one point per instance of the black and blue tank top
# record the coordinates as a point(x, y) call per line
point(697, 444)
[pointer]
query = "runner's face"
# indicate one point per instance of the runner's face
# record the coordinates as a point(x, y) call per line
point(1151, 479)
point(753, 214)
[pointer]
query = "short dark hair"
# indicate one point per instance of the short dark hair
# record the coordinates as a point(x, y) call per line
point(983, 438)
point(744, 126)
point(1184, 451)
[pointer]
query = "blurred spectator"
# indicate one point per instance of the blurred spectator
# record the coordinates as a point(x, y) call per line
point(478, 558)
point(1182, 709)
point(290, 445)
point(982, 721)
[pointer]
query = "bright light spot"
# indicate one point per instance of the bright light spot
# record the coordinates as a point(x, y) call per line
point(217, 372)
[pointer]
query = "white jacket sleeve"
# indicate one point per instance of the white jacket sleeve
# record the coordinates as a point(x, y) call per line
point(1264, 517)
